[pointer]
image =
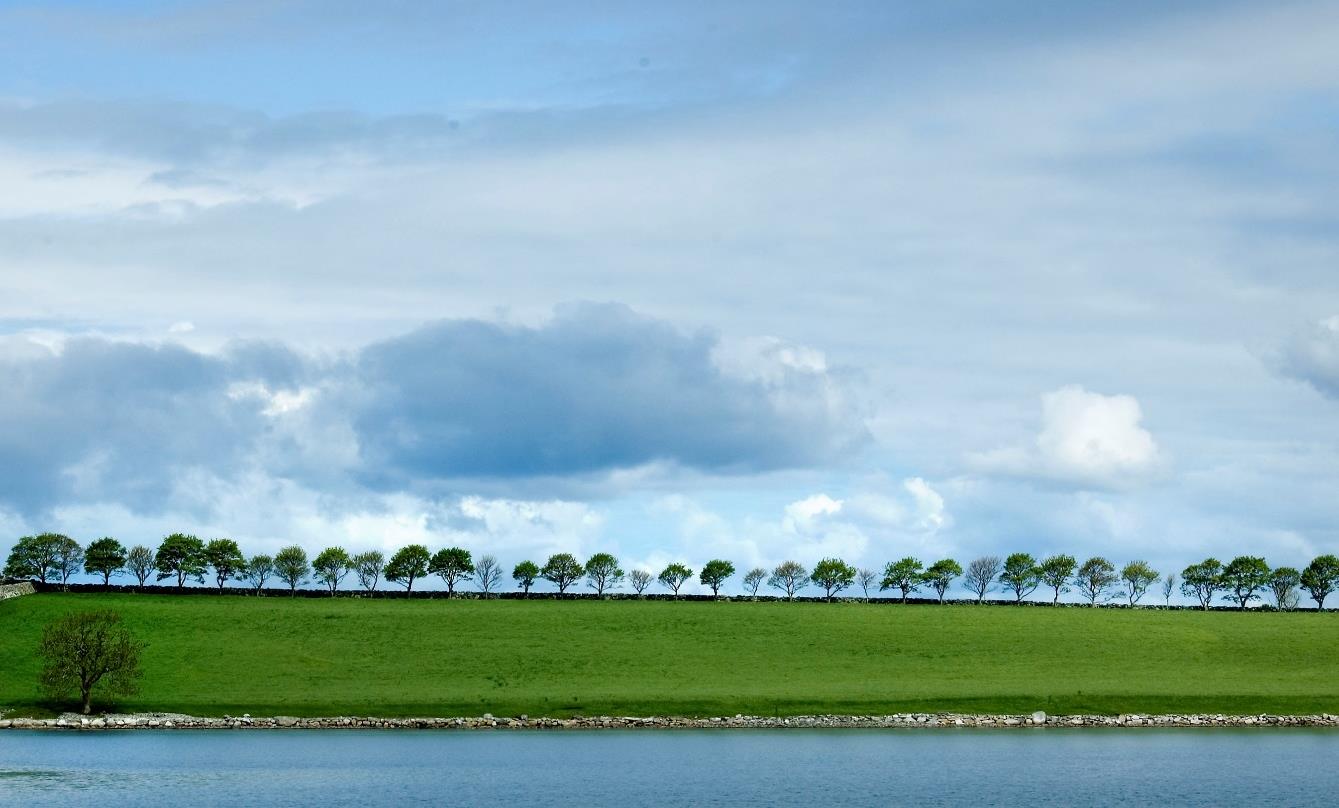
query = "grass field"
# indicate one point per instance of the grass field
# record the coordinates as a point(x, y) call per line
point(272, 656)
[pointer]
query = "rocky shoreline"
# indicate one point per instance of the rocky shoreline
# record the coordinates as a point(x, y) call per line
point(1037, 720)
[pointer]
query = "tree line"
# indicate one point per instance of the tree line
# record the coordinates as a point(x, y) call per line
point(180, 557)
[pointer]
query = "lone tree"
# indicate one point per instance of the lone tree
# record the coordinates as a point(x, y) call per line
point(562, 570)
point(904, 575)
point(1138, 577)
point(1021, 575)
point(1095, 578)
point(87, 650)
point(790, 577)
point(603, 572)
point(105, 557)
point(940, 575)
point(408, 565)
point(1243, 577)
point(141, 562)
point(1320, 578)
point(290, 564)
point(487, 574)
point(833, 575)
point(714, 574)
point(1056, 572)
point(258, 571)
point(865, 578)
point(368, 566)
point(1283, 583)
point(753, 579)
point(1168, 587)
point(34, 557)
point(330, 566)
point(226, 558)
point(1202, 581)
point(453, 565)
point(640, 579)
point(181, 556)
point(525, 574)
point(673, 576)
point(981, 574)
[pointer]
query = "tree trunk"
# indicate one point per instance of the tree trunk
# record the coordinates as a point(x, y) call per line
point(86, 694)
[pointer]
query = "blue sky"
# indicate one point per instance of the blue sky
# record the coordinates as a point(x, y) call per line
point(761, 280)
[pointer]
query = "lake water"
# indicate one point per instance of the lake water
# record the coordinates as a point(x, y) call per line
point(632, 768)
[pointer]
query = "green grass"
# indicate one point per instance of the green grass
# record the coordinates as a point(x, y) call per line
point(217, 655)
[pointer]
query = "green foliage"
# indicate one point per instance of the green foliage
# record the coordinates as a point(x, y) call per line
point(833, 575)
point(1020, 575)
point(226, 559)
point(141, 562)
point(258, 571)
point(181, 556)
point(673, 576)
point(940, 575)
point(1243, 577)
point(69, 558)
point(524, 574)
point(1138, 577)
point(290, 565)
point(790, 577)
point(562, 570)
point(453, 565)
point(1095, 578)
point(906, 575)
point(1056, 572)
point(1201, 581)
point(407, 565)
point(34, 557)
point(368, 567)
point(714, 574)
point(603, 572)
point(330, 566)
point(1320, 578)
point(1283, 583)
point(105, 557)
point(86, 650)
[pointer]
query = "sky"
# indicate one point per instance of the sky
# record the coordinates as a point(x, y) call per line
point(676, 281)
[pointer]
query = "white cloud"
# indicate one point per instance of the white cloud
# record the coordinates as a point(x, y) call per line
point(1086, 439)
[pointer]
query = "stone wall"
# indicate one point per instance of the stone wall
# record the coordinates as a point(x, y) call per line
point(8, 591)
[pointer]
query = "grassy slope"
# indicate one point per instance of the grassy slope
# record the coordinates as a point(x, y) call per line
point(211, 656)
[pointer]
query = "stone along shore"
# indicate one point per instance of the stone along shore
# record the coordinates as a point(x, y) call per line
point(1039, 719)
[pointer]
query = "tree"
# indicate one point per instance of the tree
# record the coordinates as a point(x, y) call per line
point(368, 566)
point(453, 565)
point(181, 556)
point(1138, 577)
point(1283, 583)
point(753, 579)
point(87, 650)
point(105, 557)
point(1320, 578)
point(981, 573)
point(1201, 581)
point(790, 577)
point(258, 570)
point(487, 574)
point(1095, 577)
point(940, 575)
point(407, 565)
point(525, 574)
point(1021, 575)
point(69, 559)
point(1056, 572)
point(562, 570)
point(226, 558)
point(1168, 587)
point(866, 578)
point(833, 575)
point(141, 562)
point(904, 575)
point(674, 575)
point(331, 565)
point(290, 564)
point(603, 572)
point(640, 579)
point(34, 557)
point(714, 574)
point(1243, 577)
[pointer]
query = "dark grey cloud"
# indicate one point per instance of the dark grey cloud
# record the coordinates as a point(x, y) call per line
point(597, 389)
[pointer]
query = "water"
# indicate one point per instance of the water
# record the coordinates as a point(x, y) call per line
point(632, 768)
